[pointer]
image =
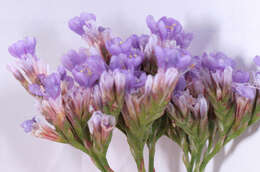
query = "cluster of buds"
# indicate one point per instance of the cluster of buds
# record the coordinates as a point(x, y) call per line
point(147, 86)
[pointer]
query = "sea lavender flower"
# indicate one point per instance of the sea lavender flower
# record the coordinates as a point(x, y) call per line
point(173, 57)
point(217, 61)
point(88, 72)
point(245, 91)
point(29, 125)
point(165, 28)
point(72, 59)
point(85, 26)
point(240, 76)
point(257, 60)
point(23, 49)
point(184, 39)
point(50, 86)
point(78, 23)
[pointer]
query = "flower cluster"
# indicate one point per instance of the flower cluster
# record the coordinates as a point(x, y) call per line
point(147, 86)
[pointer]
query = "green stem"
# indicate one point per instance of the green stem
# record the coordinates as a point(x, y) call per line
point(209, 156)
point(191, 164)
point(151, 148)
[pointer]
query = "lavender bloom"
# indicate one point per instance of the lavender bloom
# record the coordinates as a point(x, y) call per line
point(72, 59)
point(22, 48)
point(62, 72)
point(87, 73)
point(36, 90)
point(173, 57)
point(134, 79)
point(257, 60)
point(28, 125)
point(116, 46)
point(165, 28)
point(217, 61)
point(181, 84)
point(184, 39)
point(240, 76)
point(51, 85)
point(77, 24)
point(245, 91)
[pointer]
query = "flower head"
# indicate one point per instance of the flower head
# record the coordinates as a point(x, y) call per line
point(23, 48)
point(29, 125)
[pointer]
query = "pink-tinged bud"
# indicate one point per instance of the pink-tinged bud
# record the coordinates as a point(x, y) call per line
point(39, 127)
point(148, 84)
point(203, 106)
point(243, 107)
point(106, 84)
point(171, 78)
point(18, 75)
point(227, 79)
point(101, 126)
point(120, 84)
point(97, 98)
point(149, 48)
point(53, 111)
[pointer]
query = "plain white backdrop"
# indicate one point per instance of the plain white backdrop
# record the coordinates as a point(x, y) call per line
point(232, 26)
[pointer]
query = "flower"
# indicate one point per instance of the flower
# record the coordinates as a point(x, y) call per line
point(77, 24)
point(165, 28)
point(257, 60)
point(29, 125)
point(23, 49)
point(245, 91)
point(88, 72)
point(72, 59)
point(173, 57)
point(240, 76)
point(217, 61)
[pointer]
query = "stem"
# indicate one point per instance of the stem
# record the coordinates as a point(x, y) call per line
point(139, 159)
point(209, 156)
point(101, 163)
point(151, 148)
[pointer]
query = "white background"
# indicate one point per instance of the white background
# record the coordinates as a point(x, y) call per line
point(232, 26)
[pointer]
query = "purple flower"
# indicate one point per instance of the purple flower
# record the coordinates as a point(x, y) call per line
point(69, 81)
point(184, 39)
point(72, 59)
point(134, 79)
point(240, 76)
point(28, 125)
point(62, 72)
point(181, 84)
point(245, 91)
point(51, 84)
point(77, 24)
point(22, 48)
point(116, 46)
point(165, 28)
point(88, 73)
point(173, 57)
point(36, 90)
point(257, 60)
point(217, 61)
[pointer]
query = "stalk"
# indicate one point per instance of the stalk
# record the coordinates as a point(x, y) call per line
point(151, 148)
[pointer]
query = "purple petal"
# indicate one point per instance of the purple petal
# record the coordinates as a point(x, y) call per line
point(257, 60)
point(240, 76)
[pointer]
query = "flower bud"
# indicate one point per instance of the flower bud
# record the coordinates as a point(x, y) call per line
point(101, 126)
